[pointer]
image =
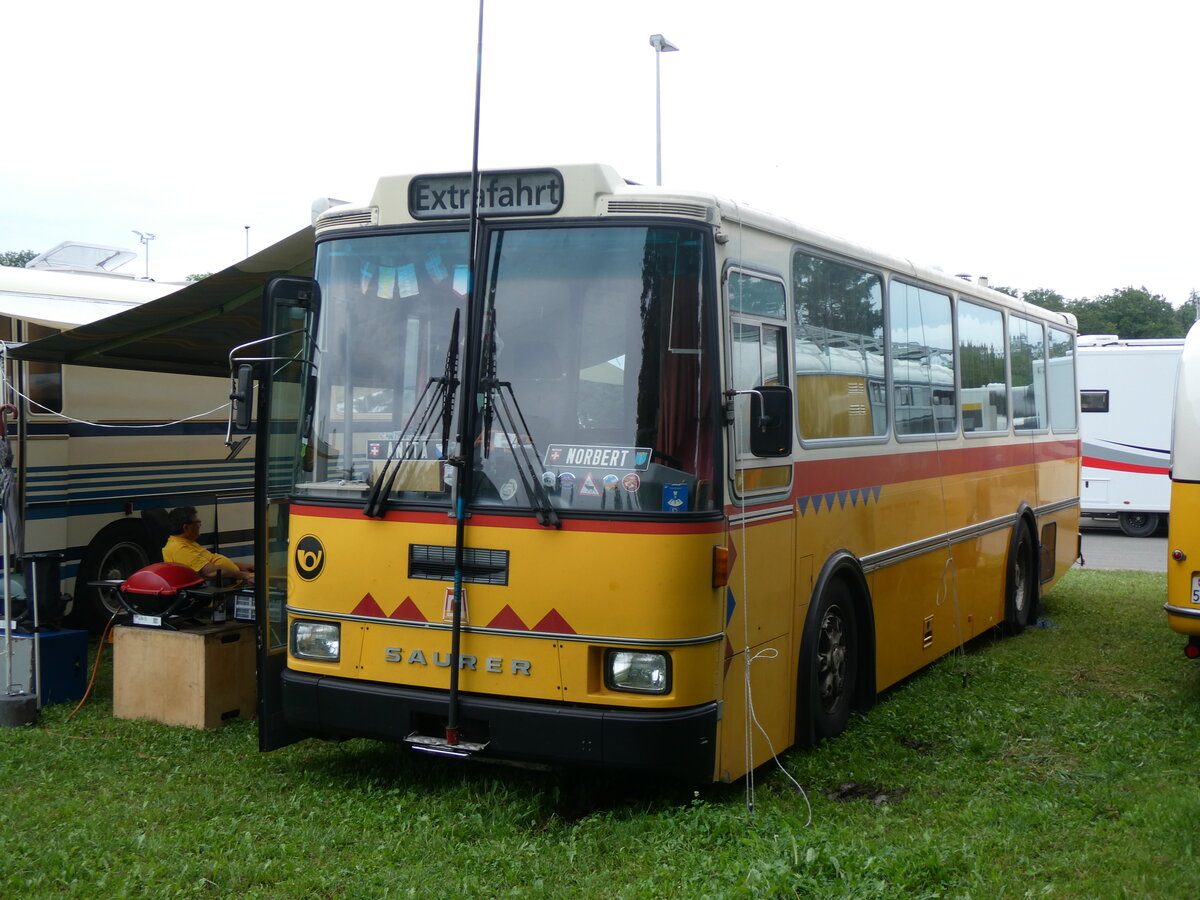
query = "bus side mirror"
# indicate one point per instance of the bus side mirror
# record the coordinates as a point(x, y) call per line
point(243, 396)
point(771, 421)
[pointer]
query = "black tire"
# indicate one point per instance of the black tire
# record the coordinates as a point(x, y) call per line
point(1020, 591)
point(119, 550)
point(829, 669)
point(1138, 524)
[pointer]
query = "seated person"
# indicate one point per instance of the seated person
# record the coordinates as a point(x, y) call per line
point(182, 547)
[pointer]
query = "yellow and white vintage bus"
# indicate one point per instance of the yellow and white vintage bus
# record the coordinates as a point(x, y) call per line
point(94, 448)
point(649, 480)
point(1183, 539)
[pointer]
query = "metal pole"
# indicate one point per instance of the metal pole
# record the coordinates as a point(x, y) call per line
point(658, 116)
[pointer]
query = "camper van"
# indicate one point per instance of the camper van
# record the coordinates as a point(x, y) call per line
point(95, 448)
point(1126, 397)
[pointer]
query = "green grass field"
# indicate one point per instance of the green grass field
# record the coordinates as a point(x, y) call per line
point(1059, 763)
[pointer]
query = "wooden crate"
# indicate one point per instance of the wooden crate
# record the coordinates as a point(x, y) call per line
point(200, 677)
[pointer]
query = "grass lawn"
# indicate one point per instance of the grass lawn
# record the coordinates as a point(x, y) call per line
point(1060, 763)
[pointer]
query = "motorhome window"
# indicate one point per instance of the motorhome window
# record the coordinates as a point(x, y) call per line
point(922, 342)
point(1027, 348)
point(1060, 377)
point(983, 394)
point(1093, 401)
point(44, 386)
point(838, 349)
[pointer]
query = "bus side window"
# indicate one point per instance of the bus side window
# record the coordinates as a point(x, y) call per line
point(44, 386)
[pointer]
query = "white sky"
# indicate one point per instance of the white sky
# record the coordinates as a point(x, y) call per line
point(1043, 143)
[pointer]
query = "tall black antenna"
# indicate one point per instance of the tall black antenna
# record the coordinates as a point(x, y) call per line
point(466, 461)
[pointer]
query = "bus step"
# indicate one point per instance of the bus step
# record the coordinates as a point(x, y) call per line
point(440, 746)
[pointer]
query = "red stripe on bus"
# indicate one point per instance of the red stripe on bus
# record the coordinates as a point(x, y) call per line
point(824, 476)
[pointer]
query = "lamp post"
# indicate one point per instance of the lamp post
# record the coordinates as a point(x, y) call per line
point(661, 45)
point(145, 238)
point(247, 240)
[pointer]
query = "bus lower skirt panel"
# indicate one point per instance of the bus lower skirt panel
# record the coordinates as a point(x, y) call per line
point(679, 742)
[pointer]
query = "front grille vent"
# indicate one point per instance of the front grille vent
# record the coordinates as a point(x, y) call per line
point(660, 208)
point(350, 219)
point(480, 566)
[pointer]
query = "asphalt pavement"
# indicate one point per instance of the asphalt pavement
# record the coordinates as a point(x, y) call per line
point(1105, 547)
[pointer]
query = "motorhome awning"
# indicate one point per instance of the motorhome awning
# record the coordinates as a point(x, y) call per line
point(188, 332)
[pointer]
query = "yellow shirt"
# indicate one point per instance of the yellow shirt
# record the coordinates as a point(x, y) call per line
point(180, 550)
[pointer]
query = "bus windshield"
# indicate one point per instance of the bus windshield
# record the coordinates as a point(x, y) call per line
point(595, 387)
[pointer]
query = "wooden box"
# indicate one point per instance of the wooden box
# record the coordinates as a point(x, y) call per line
point(200, 677)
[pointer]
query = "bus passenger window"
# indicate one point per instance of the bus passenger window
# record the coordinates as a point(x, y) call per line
point(922, 360)
point(1060, 376)
point(44, 386)
point(1028, 349)
point(838, 349)
point(983, 392)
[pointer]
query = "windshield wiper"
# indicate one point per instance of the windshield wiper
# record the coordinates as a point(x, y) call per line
point(520, 440)
point(438, 395)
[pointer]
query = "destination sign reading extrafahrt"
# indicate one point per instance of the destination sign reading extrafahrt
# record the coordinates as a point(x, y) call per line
point(533, 192)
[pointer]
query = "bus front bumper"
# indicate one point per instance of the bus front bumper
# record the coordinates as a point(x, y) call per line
point(678, 742)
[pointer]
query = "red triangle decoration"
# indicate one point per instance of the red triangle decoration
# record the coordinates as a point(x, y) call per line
point(553, 621)
point(368, 607)
point(507, 618)
point(408, 611)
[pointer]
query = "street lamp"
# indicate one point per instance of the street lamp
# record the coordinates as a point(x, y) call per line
point(145, 239)
point(661, 45)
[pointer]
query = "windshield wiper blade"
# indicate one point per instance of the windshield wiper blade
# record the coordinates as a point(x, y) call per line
point(524, 451)
point(441, 388)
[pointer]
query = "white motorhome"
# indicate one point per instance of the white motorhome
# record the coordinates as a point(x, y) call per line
point(1127, 391)
point(96, 448)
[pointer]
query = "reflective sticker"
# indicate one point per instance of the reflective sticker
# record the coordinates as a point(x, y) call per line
point(549, 479)
point(675, 498)
point(448, 607)
point(588, 488)
point(374, 449)
point(508, 490)
point(567, 480)
point(632, 482)
point(610, 483)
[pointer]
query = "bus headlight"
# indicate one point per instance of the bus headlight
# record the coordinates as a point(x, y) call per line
point(637, 670)
point(317, 640)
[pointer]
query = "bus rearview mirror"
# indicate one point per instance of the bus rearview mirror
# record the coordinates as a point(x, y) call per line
point(771, 421)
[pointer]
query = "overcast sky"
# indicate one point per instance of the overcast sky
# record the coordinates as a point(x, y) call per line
point(1043, 143)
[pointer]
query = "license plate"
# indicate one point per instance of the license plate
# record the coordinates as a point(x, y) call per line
point(1196, 589)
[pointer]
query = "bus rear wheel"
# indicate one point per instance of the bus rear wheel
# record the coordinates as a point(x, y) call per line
point(1138, 524)
point(1021, 587)
point(829, 671)
point(119, 550)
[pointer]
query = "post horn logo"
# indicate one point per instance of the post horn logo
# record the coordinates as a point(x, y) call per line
point(310, 557)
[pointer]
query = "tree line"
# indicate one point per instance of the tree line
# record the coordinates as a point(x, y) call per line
point(1128, 313)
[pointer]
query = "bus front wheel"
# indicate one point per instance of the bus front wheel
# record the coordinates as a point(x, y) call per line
point(119, 550)
point(829, 669)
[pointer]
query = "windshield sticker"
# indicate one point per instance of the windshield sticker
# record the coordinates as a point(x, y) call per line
point(588, 488)
point(567, 480)
point(675, 498)
point(610, 483)
point(598, 457)
point(508, 490)
point(632, 482)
